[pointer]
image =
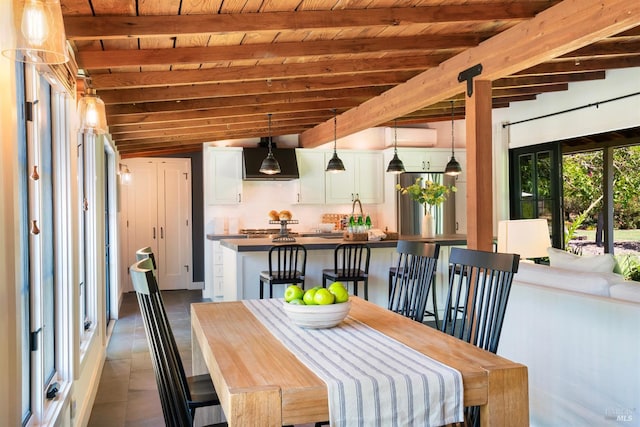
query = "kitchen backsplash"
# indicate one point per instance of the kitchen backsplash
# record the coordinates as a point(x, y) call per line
point(260, 197)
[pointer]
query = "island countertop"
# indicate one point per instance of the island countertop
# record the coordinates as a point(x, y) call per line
point(319, 243)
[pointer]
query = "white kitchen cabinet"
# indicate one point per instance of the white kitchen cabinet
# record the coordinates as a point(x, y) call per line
point(362, 178)
point(311, 184)
point(424, 159)
point(158, 215)
point(223, 175)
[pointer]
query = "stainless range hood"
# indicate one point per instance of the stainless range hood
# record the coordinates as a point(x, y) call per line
point(253, 157)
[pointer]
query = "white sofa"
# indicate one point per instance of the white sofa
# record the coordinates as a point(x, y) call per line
point(579, 335)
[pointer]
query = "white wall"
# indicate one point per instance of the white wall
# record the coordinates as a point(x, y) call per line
point(619, 114)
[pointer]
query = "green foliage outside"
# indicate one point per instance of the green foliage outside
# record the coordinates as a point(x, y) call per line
point(583, 185)
point(583, 199)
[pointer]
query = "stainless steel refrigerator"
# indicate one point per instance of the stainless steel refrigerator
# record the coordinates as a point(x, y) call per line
point(410, 213)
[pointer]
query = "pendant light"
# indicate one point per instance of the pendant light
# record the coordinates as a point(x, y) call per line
point(453, 167)
point(39, 33)
point(395, 165)
point(270, 165)
point(93, 118)
point(335, 165)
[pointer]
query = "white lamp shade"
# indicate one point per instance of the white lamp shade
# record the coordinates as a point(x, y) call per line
point(39, 32)
point(527, 237)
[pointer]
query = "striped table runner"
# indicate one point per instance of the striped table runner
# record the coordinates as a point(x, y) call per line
point(372, 379)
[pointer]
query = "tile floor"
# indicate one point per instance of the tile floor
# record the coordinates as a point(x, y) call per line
point(127, 395)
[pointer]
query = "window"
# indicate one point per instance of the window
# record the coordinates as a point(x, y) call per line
point(535, 185)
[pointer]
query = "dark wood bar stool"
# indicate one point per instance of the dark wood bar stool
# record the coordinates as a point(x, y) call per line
point(287, 266)
point(350, 265)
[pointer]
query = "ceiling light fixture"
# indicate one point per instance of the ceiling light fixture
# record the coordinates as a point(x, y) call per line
point(93, 118)
point(335, 165)
point(453, 167)
point(39, 33)
point(270, 165)
point(395, 165)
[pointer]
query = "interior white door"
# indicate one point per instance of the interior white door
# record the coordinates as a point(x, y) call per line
point(159, 216)
point(174, 221)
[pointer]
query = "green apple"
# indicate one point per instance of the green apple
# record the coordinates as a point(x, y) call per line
point(323, 297)
point(336, 285)
point(340, 293)
point(297, 301)
point(309, 295)
point(293, 292)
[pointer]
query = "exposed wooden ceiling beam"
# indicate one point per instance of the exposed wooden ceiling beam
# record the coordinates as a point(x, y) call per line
point(523, 46)
point(246, 100)
point(306, 84)
point(577, 64)
point(125, 27)
point(262, 72)
point(199, 55)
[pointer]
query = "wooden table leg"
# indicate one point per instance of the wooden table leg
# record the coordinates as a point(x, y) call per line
point(259, 408)
point(508, 398)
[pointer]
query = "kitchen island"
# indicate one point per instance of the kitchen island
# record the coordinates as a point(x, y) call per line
point(243, 259)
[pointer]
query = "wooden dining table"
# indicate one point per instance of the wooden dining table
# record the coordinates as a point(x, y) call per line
point(261, 383)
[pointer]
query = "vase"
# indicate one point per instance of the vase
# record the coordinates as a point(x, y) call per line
point(428, 230)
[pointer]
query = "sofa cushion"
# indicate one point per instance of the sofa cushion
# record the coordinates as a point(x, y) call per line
point(570, 280)
point(629, 291)
point(596, 263)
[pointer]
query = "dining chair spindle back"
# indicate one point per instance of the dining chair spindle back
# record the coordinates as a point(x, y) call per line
point(414, 274)
point(179, 395)
point(479, 287)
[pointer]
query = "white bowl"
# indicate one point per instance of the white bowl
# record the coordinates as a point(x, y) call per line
point(317, 316)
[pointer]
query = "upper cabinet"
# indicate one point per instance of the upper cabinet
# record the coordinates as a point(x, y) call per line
point(362, 178)
point(223, 175)
point(311, 184)
point(424, 159)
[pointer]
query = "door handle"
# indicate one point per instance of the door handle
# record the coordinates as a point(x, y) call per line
point(154, 233)
point(162, 232)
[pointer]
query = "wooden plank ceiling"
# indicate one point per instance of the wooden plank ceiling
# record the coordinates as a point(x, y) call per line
point(176, 73)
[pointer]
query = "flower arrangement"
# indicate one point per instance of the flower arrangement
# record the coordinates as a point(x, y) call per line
point(427, 193)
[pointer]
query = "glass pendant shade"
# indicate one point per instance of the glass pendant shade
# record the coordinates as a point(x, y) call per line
point(270, 165)
point(453, 167)
point(395, 165)
point(39, 33)
point(335, 165)
point(91, 112)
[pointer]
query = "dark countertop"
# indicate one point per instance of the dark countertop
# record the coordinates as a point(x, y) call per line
point(319, 243)
point(225, 236)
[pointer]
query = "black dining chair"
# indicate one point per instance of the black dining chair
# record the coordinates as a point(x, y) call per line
point(350, 265)
point(179, 395)
point(414, 275)
point(479, 287)
point(287, 266)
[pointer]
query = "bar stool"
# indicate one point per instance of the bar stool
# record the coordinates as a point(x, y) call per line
point(350, 264)
point(287, 265)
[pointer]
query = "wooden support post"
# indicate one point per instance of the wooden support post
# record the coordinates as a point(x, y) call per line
point(479, 167)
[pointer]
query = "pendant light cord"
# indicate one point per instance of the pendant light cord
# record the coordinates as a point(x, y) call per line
point(269, 114)
point(335, 130)
point(451, 128)
point(395, 136)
